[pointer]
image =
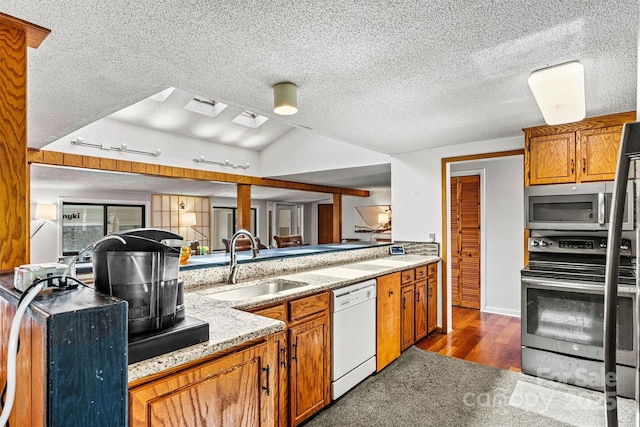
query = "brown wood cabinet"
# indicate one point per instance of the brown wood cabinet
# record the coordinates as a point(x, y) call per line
point(238, 389)
point(421, 306)
point(304, 356)
point(388, 320)
point(408, 316)
point(432, 297)
point(584, 151)
point(413, 306)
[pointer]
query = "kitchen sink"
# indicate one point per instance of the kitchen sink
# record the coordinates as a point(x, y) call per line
point(271, 287)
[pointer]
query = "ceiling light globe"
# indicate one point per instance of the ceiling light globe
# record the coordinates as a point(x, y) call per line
point(285, 99)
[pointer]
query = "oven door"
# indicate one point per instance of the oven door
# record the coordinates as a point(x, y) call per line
point(568, 318)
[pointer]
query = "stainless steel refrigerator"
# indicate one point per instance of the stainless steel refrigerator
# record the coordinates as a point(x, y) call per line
point(629, 151)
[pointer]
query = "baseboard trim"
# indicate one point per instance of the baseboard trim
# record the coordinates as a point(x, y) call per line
point(502, 311)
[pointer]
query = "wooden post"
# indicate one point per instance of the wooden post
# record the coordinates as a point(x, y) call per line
point(337, 218)
point(15, 36)
point(244, 207)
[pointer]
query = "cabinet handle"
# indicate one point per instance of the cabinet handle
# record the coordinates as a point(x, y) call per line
point(404, 303)
point(283, 357)
point(267, 388)
point(390, 293)
point(417, 297)
point(584, 165)
point(295, 352)
point(572, 165)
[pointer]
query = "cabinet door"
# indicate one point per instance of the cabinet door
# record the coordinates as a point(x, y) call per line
point(238, 389)
point(432, 303)
point(388, 320)
point(552, 158)
point(598, 150)
point(309, 379)
point(408, 316)
point(421, 309)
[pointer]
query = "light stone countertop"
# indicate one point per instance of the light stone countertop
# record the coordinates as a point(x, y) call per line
point(230, 326)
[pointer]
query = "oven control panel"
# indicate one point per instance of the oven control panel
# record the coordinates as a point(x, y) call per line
point(593, 245)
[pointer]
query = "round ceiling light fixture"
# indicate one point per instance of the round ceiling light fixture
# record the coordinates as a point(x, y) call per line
point(285, 98)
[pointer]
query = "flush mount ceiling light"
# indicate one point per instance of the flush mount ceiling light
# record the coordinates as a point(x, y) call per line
point(559, 92)
point(205, 106)
point(285, 99)
point(249, 119)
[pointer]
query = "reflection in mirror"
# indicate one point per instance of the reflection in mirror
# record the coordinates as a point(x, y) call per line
point(225, 223)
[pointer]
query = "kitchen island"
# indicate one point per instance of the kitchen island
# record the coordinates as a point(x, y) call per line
point(251, 340)
point(231, 325)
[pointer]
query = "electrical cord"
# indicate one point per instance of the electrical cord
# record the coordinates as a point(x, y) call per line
point(13, 350)
point(9, 390)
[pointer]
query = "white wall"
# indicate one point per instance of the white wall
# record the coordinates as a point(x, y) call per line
point(416, 191)
point(502, 225)
point(378, 196)
point(301, 151)
point(109, 132)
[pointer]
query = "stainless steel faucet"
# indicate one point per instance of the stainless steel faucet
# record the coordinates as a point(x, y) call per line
point(233, 263)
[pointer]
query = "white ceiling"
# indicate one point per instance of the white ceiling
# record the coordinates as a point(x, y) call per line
point(391, 76)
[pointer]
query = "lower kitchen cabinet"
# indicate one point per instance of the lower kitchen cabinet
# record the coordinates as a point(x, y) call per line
point(408, 316)
point(421, 309)
point(432, 297)
point(239, 389)
point(388, 320)
point(309, 378)
point(305, 356)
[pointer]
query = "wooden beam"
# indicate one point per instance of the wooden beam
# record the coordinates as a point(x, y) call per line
point(244, 207)
point(54, 158)
point(35, 34)
point(337, 218)
point(15, 36)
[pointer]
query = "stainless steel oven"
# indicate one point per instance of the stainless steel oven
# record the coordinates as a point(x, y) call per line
point(583, 207)
point(563, 311)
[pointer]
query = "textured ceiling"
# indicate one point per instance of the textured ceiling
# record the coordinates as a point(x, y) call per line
point(392, 76)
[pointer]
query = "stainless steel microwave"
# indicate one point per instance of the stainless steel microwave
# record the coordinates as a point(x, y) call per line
point(574, 206)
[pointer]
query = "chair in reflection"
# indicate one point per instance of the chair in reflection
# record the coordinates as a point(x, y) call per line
point(288, 241)
point(241, 244)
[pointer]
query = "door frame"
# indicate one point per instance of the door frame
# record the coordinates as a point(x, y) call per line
point(483, 238)
point(445, 170)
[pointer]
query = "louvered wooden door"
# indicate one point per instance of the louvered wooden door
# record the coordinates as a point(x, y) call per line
point(465, 241)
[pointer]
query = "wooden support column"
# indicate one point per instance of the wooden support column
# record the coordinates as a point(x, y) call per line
point(15, 36)
point(244, 207)
point(337, 218)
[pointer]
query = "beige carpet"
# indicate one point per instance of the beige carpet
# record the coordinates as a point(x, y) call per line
point(426, 389)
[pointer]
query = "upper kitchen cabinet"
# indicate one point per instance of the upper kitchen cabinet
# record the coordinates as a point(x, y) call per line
point(584, 151)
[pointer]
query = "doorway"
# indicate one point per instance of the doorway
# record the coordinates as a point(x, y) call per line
point(325, 223)
point(465, 241)
point(502, 254)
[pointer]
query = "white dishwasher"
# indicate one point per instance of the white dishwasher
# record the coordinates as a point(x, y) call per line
point(354, 336)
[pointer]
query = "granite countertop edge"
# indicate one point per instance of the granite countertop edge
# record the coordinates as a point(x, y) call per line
point(230, 326)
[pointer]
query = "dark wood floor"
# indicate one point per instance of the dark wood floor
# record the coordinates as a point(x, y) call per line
point(485, 338)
